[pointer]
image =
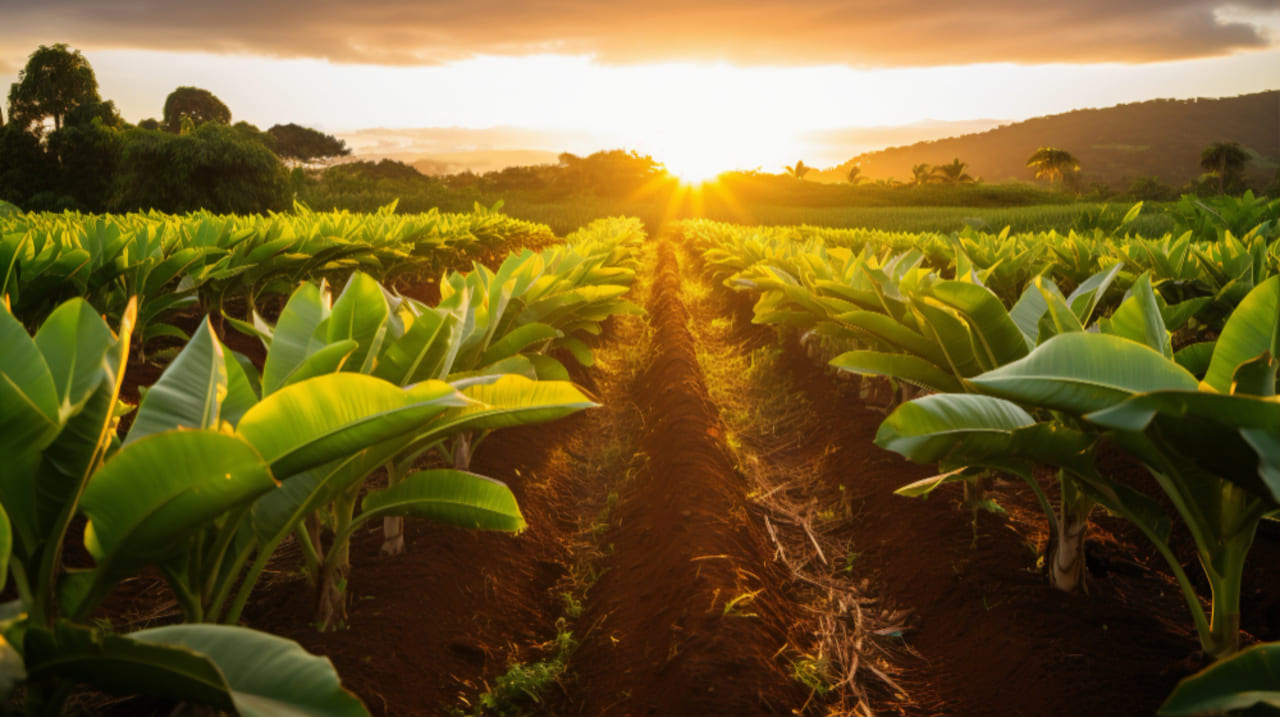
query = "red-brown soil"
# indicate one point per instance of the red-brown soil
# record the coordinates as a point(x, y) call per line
point(638, 511)
point(688, 617)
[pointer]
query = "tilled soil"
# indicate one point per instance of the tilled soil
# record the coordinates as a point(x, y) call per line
point(689, 617)
point(647, 545)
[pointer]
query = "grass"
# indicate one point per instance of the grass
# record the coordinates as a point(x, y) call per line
point(524, 682)
point(567, 215)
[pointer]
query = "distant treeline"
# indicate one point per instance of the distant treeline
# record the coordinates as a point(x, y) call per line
point(1145, 148)
point(65, 147)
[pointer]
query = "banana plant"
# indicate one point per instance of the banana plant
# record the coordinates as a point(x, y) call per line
point(368, 331)
point(1211, 446)
point(320, 437)
point(59, 390)
point(979, 334)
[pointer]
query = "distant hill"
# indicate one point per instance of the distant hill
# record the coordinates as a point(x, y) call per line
point(1115, 145)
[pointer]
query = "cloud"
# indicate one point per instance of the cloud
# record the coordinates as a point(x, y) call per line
point(753, 32)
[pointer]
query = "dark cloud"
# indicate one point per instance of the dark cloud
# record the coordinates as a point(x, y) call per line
point(852, 32)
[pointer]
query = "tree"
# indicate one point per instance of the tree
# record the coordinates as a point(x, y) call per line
point(953, 173)
point(55, 81)
point(25, 168)
point(1052, 163)
point(200, 106)
point(214, 167)
point(799, 170)
point(303, 145)
point(1226, 161)
point(855, 175)
point(921, 174)
point(87, 155)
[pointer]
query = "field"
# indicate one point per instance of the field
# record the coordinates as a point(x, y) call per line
point(685, 445)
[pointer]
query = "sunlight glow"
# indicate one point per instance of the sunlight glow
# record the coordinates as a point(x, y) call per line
point(697, 154)
point(697, 118)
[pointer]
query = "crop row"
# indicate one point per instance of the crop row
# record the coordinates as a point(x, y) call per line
point(174, 263)
point(223, 463)
point(1034, 351)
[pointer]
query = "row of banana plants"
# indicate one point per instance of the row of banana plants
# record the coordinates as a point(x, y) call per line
point(1048, 378)
point(173, 263)
point(1182, 268)
point(222, 464)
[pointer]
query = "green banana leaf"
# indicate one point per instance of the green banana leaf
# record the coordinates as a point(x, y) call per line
point(227, 667)
point(74, 340)
point(1248, 679)
point(189, 393)
point(154, 494)
point(1138, 318)
point(293, 338)
point(29, 403)
point(308, 424)
point(266, 676)
point(1253, 328)
point(994, 331)
point(906, 367)
point(453, 497)
point(1082, 372)
point(951, 427)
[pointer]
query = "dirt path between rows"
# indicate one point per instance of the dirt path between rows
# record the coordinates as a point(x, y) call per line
point(687, 618)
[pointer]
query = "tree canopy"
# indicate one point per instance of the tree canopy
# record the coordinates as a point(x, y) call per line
point(953, 173)
point(1052, 163)
point(197, 105)
point(214, 167)
point(1226, 161)
point(305, 145)
point(55, 81)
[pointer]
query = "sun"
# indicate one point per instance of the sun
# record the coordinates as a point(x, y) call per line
point(699, 155)
point(698, 147)
point(694, 164)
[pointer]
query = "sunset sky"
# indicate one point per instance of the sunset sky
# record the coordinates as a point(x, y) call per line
point(734, 83)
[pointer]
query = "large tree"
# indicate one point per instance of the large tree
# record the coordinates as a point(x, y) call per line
point(55, 81)
point(921, 174)
point(303, 145)
point(197, 105)
point(1226, 161)
point(1052, 163)
point(214, 167)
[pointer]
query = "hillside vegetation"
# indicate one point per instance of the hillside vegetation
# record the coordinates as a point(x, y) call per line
point(1115, 145)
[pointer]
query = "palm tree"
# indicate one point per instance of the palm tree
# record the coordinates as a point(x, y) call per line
point(855, 174)
point(1224, 160)
point(921, 173)
point(799, 170)
point(1052, 163)
point(953, 173)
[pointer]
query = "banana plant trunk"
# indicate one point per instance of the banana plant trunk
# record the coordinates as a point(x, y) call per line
point(1066, 559)
point(392, 536)
point(393, 527)
point(462, 451)
point(1066, 551)
point(331, 606)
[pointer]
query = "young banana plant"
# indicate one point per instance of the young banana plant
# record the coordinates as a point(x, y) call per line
point(366, 331)
point(1210, 445)
point(58, 399)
